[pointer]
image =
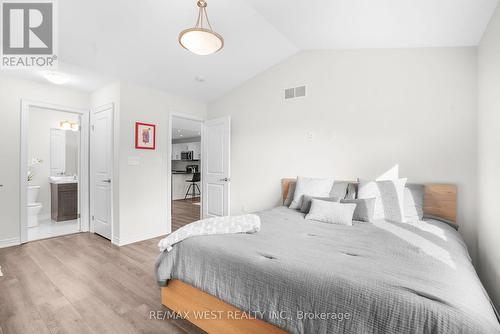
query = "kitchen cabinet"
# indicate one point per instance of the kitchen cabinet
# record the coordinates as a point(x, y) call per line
point(177, 149)
point(196, 148)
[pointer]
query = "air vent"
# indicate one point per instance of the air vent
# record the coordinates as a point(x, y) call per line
point(300, 91)
point(291, 93)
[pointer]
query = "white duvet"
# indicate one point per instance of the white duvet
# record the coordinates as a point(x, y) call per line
point(210, 226)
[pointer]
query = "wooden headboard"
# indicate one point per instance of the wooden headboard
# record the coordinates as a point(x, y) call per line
point(440, 200)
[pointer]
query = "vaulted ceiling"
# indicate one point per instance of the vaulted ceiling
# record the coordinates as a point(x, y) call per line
point(137, 40)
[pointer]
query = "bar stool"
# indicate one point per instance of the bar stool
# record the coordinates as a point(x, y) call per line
point(193, 186)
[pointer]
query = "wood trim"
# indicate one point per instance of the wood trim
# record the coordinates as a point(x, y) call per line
point(190, 302)
point(440, 200)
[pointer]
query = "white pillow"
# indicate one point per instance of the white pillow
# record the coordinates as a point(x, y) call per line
point(389, 195)
point(414, 202)
point(331, 212)
point(311, 187)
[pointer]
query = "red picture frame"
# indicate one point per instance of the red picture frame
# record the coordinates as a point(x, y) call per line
point(145, 136)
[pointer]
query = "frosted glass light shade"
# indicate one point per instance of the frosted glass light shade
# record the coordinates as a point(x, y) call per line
point(201, 41)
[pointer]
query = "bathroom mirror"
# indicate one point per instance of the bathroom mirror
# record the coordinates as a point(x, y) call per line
point(64, 152)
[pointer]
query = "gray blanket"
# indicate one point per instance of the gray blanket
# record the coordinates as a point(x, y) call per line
point(311, 277)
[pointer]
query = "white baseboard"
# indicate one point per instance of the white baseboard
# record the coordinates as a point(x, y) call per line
point(136, 238)
point(10, 242)
point(115, 241)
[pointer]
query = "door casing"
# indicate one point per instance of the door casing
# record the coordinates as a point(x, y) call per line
point(171, 116)
point(84, 162)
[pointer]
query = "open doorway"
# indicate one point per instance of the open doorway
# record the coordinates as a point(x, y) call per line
point(53, 165)
point(186, 161)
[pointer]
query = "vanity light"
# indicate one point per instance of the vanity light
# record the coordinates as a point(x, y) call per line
point(67, 125)
point(57, 78)
point(201, 40)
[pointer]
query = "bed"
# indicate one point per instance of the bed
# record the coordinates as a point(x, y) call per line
point(309, 277)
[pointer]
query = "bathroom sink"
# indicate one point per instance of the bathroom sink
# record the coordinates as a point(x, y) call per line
point(63, 179)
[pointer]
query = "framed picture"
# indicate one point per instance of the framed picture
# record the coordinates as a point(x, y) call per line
point(145, 136)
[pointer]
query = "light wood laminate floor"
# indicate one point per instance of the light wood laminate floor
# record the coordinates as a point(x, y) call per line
point(81, 283)
point(185, 212)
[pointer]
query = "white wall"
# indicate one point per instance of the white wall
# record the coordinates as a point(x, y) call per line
point(489, 158)
point(40, 123)
point(12, 90)
point(367, 110)
point(142, 190)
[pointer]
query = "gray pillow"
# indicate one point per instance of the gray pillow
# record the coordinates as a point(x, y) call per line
point(306, 202)
point(331, 212)
point(352, 190)
point(414, 202)
point(289, 196)
point(365, 208)
point(312, 187)
point(339, 189)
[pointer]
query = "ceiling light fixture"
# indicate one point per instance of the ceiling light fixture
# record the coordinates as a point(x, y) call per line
point(201, 40)
point(57, 78)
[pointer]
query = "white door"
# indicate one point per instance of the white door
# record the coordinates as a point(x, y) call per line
point(57, 152)
point(101, 167)
point(215, 165)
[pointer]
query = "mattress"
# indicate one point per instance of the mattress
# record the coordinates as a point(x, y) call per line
point(312, 277)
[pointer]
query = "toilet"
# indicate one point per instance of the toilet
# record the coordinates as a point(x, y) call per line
point(33, 206)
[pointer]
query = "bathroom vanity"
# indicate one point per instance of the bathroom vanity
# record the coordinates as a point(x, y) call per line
point(64, 201)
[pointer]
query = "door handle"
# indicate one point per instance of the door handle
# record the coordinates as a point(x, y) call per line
point(226, 179)
point(107, 181)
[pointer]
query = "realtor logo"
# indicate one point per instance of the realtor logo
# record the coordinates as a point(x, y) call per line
point(28, 34)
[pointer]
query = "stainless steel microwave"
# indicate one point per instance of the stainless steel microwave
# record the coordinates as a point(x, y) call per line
point(187, 155)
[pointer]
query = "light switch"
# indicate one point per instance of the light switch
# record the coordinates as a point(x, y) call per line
point(134, 161)
point(310, 135)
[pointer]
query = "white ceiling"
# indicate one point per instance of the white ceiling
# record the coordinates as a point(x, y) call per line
point(137, 40)
point(185, 128)
point(337, 24)
point(78, 78)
